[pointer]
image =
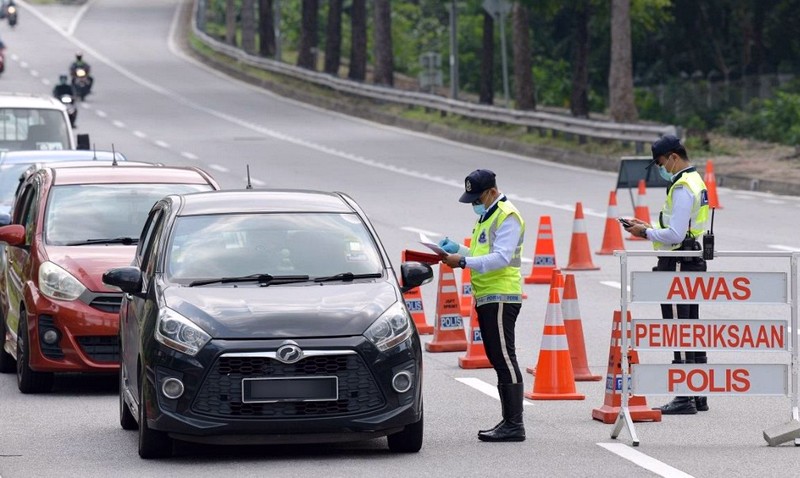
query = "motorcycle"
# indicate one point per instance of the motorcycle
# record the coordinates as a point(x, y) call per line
point(82, 82)
point(72, 109)
point(11, 13)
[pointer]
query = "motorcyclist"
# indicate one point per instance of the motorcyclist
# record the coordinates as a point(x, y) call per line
point(81, 88)
point(79, 63)
point(63, 87)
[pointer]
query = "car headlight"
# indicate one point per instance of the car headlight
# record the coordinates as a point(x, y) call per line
point(393, 327)
point(57, 283)
point(179, 333)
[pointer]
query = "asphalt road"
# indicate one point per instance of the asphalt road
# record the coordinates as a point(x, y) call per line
point(153, 103)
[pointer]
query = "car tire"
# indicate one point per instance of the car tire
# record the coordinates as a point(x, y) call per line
point(126, 419)
point(152, 443)
point(7, 363)
point(29, 381)
point(409, 440)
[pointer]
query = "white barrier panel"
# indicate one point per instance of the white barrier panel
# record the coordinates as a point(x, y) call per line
point(704, 379)
point(700, 287)
point(676, 334)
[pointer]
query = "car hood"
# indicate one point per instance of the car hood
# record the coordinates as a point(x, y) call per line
point(283, 311)
point(88, 263)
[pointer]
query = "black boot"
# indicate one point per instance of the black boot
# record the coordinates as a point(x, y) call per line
point(701, 402)
point(512, 427)
point(503, 408)
point(678, 405)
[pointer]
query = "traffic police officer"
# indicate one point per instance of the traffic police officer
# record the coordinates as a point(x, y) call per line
point(683, 219)
point(494, 257)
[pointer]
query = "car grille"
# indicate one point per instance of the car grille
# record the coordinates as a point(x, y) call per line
point(100, 348)
point(221, 392)
point(107, 303)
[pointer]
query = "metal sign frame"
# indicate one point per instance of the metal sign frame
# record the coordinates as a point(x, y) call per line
point(624, 418)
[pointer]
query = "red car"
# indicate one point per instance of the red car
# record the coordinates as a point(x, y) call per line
point(69, 225)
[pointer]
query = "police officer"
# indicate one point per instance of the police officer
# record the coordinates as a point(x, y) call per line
point(494, 258)
point(683, 219)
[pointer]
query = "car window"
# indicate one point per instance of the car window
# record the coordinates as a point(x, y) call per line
point(9, 181)
point(148, 262)
point(91, 212)
point(313, 244)
point(147, 236)
point(33, 128)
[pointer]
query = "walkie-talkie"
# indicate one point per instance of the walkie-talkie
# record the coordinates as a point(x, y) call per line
point(708, 240)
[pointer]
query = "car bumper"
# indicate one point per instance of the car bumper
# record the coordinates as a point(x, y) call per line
point(200, 416)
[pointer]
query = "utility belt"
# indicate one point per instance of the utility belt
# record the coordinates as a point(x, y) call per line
point(688, 244)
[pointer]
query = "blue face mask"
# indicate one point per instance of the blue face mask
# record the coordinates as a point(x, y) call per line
point(479, 209)
point(662, 171)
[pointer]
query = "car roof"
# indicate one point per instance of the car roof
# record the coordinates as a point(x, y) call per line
point(39, 156)
point(110, 174)
point(263, 200)
point(26, 100)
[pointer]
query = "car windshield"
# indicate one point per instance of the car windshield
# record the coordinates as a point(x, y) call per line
point(103, 213)
point(31, 128)
point(276, 244)
point(9, 181)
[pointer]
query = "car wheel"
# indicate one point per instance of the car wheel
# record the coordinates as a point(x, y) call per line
point(29, 381)
point(126, 419)
point(409, 440)
point(152, 443)
point(7, 364)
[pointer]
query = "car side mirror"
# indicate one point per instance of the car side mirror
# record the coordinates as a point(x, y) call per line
point(5, 219)
point(83, 142)
point(13, 234)
point(415, 274)
point(128, 279)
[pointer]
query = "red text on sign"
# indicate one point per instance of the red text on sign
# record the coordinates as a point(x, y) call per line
point(702, 381)
point(709, 288)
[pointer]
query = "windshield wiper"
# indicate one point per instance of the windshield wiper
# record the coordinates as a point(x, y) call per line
point(347, 277)
point(262, 279)
point(116, 240)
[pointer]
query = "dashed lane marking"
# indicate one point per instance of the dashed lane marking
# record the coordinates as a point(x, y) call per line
point(647, 462)
point(139, 134)
point(484, 387)
point(612, 284)
point(118, 123)
point(101, 113)
point(188, 155)
point(217, 167)
point(256, 182)
point(162, 144)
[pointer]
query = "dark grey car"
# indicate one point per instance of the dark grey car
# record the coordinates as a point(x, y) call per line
point(266, 317)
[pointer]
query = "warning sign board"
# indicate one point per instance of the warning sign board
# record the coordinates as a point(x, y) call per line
point(711, 334)
point(699, 287)
point(700, 379)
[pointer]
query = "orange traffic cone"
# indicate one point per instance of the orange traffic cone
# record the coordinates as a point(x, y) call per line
point(557, 283)
point(711, 184)
point(574, 328)
point(476, 352)
point(544, 257)
point(448, 333)
point(413, 300)
point(580, 257)
point(466, 287)
point(554, 378)
point(637, 404)
point(641, 211)
point(612, 239)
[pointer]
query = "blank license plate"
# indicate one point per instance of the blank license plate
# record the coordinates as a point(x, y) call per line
point(294, 389)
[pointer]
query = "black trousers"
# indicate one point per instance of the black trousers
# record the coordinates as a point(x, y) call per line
point(497, 321)
point(683, 311)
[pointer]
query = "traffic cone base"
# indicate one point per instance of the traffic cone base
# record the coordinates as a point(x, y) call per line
point(637, 405)
point(544, 256)
point(448, 332)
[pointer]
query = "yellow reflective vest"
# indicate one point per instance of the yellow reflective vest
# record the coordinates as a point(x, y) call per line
point(698, 218)
point(504, 284)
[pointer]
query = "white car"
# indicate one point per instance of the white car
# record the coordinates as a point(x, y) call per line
point(33, 122)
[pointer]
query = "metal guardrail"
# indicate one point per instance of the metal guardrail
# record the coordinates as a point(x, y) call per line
point(581, 128)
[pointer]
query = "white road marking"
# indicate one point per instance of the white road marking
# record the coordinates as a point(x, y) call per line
point(77, 18)
point(139, 134)
point(118, 123)
point(647, 462)
point(86, 105)
point(23, 64)
point(45, 81)
point(484, 387)
point(14, 57)
point(420, 231)
point(101, 113)
point(774, 201)
point(34, 73)
point(784, 248)
point(525, 260)
point(217, 167)
point(256, 182)
point(612, 284)
point(188, 155)
point(162, 144)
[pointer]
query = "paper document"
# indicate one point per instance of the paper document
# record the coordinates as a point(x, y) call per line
point(425, 241)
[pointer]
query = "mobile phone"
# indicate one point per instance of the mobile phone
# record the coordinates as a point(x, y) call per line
point(625, 222)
